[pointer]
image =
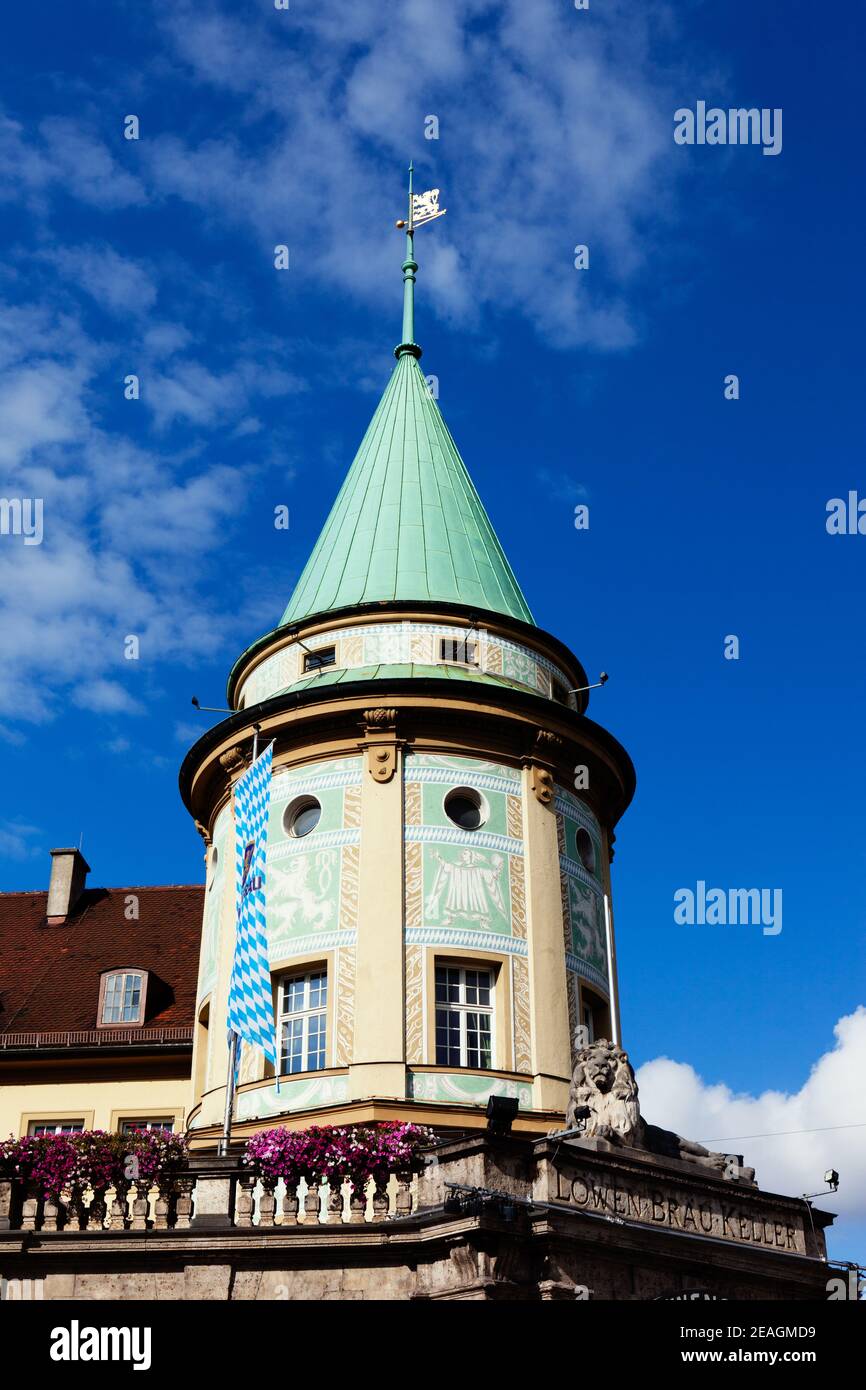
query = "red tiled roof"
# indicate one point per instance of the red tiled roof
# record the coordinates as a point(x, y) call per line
point(49, 976)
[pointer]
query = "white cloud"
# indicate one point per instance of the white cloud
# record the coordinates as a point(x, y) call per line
point(29, 331)
point(560, 487)
point(40, 404)
point(247, 426)
point(63, 153)
point(105, 697)
point(181, 518)
point(193, 393)
point(811, 1120)
point(555, 132)
point(16, 840)
point(121, 523)
point(186, 732)
point(165, 339)
point(118, 283)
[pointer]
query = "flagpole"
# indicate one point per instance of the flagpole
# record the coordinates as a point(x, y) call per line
point(225, 1141)
point(613, 991)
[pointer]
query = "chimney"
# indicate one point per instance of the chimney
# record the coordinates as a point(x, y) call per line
point(69, 869)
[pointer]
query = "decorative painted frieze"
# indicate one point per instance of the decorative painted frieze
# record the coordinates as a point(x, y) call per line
point(581, 890)
point(466, 1088)
point(402, 643)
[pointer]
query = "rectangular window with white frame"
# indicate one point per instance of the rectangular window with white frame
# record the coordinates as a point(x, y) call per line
point(594, 1017)
point(464, 1017)
point(122, 997)
point(41, 1127)
point(303, 1021)
point(165, 1125)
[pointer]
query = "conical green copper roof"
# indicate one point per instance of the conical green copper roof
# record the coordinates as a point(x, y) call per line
point(407, 523)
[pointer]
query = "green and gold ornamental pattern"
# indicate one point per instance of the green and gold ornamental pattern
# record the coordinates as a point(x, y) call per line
point(464, 892)
point(401, 650)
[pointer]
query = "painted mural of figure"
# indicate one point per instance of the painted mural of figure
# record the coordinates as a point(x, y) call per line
point(588, 931)
point(298, 902)
point(468, 889)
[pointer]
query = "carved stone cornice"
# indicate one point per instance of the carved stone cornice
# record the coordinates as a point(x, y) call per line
point(485, 723)
point(378, 718)
point(232, 760)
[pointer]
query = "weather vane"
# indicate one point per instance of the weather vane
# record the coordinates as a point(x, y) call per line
point(423, 207)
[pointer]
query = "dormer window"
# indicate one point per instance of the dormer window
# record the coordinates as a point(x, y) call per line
point(325, 656)
point(455, 649)
point(122, 996)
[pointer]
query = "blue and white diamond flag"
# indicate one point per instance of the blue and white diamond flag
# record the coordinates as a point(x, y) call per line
point(251, 1005)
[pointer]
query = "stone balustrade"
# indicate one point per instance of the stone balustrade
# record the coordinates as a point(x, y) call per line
point(490, 1217)
point(212, 1193)
point(133, 1206)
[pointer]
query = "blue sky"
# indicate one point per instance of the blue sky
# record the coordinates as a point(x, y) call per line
point(707, 516)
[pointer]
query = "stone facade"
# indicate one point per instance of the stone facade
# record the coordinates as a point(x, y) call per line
point(494, 1219)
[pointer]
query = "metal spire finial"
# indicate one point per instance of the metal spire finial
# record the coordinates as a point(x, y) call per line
point(423, 207)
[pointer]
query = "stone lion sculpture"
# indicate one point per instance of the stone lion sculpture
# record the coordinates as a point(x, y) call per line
point(603, 1083)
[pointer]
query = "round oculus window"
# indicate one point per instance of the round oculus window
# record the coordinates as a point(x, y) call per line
point(301, 816)
point(466, 808)
point(586, 850)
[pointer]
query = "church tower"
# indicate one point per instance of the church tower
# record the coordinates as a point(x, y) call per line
point(442, 814)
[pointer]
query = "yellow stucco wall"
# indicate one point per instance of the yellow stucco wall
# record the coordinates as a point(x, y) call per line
point(100, 1104)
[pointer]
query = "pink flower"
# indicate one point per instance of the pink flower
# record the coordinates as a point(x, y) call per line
point(337, 1153)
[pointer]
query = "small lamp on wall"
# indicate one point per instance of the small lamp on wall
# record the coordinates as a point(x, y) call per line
point(579, 689)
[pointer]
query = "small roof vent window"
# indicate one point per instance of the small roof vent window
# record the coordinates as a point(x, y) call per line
point(325, 656)
point(457, 649)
